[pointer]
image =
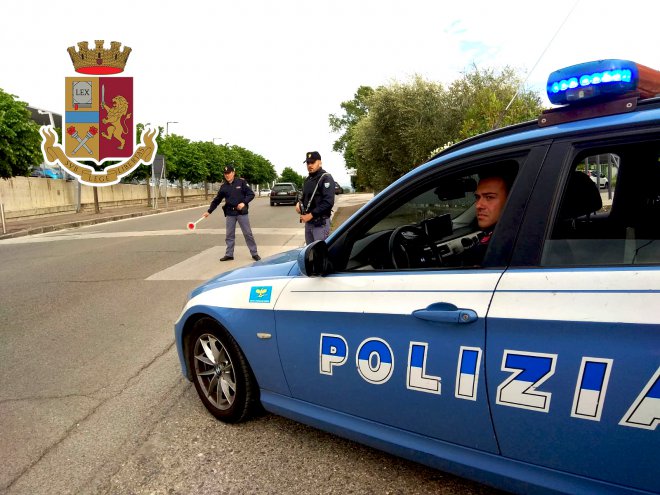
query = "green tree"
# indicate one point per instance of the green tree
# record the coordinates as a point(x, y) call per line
point(290, 175)
point(354, 110)
point(184, 160)
point(477, 102)
point(221, 156)
point(144, 171)
point(263, 171)
point(402, 125)
point(20, 141)
point(203, 161)
point(211, 157)
point(252, 167)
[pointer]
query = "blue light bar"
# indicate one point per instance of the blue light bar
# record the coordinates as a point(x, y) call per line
point(601, 78)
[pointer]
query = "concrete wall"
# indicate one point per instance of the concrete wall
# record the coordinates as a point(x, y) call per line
point(29, 196)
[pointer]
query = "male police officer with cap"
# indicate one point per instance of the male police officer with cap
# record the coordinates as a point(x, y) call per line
point(318, 198)
point(237, 194)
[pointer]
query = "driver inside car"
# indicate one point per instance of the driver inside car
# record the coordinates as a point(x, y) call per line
point(491, 194)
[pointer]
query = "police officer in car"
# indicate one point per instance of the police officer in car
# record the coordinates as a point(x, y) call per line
point(318, 198)
point(491, 195)
point(237, 194)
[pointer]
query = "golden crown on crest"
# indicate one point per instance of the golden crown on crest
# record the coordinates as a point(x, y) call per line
point(99, 60)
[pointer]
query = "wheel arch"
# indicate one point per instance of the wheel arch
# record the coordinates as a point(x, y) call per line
point(185, 339)
point(186, 342)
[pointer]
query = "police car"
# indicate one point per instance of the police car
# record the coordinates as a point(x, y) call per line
point(535, 369)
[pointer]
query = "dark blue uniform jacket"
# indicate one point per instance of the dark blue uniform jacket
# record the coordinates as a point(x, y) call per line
point(324, 199)
point(235, 193)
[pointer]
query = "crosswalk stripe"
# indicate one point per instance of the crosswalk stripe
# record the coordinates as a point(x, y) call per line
point(207, 264)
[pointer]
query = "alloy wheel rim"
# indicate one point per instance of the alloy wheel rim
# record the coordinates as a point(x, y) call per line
point(215, 371)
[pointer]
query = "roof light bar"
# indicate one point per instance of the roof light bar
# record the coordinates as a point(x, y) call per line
point(600, 79)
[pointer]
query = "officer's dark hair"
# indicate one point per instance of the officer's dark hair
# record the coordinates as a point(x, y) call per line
point(506, 171)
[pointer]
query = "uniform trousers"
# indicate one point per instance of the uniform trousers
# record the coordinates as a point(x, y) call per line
point(317, 233)
point(230, 236)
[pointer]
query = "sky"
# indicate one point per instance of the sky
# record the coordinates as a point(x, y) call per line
point(265, 75)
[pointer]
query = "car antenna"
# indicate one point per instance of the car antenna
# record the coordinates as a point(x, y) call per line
point(521, 85)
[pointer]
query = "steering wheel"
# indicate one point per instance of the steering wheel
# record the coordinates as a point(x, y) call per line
point(411, 247)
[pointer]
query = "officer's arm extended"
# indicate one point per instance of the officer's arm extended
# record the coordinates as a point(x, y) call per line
point(216, 201)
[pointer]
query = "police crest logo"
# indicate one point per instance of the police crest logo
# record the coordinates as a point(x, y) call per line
point(98, 124)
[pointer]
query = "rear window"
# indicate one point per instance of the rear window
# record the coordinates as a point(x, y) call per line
point(283, 187)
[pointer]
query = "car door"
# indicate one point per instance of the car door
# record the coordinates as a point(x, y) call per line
point(573, 331)
point(403, 347)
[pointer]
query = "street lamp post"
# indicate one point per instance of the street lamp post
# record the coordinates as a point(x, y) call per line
point(167, 127)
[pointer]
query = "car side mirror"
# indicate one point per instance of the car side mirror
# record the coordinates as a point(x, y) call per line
point(313, 259)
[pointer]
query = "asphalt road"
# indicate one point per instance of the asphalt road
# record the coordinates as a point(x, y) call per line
point(92, 399)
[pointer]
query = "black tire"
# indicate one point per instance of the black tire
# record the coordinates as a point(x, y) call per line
point(272, 204)
point(221, 374)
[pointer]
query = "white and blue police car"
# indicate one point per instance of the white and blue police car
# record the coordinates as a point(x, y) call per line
point(534, 369)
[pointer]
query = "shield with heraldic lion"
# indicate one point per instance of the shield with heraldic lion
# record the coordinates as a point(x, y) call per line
point(99, 122)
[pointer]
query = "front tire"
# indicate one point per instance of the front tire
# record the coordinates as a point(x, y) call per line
point(221, 374)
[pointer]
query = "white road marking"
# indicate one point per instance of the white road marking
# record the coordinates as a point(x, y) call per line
point(207, 264)
point(69, 235)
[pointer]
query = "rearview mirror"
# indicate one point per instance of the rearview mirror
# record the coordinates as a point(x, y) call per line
point(313, 259)
point(455, 189)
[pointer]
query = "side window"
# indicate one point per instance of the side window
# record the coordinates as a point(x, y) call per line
point(609, 212)
point(438, 222)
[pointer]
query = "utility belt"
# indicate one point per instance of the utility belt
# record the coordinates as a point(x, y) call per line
point(232, 211)
point(319, 222)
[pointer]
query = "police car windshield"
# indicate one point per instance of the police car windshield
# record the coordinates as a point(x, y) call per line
point(455, 200)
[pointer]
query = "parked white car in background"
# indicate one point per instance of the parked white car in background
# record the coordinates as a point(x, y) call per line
point(604, 183)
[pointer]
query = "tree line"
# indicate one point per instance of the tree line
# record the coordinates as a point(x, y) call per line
point(204, 161)
point(388, 131)
point(383, 132)
point(185, 160)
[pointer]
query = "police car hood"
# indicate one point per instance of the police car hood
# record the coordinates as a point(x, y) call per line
point(278, 265)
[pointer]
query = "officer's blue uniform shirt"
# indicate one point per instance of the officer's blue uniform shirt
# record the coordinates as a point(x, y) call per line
point(235, 193)
point(324, 199)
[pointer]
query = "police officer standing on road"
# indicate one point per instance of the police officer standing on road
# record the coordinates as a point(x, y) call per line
point(237, 194)
point(317, 201)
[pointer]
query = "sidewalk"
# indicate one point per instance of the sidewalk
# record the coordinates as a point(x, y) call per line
point(18, 227)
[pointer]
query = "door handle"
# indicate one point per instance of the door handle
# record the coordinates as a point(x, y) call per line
point(446, 313)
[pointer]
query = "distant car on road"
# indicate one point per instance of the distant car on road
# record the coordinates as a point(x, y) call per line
point(284, 193)
point(264, 192)
point(338, 188)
